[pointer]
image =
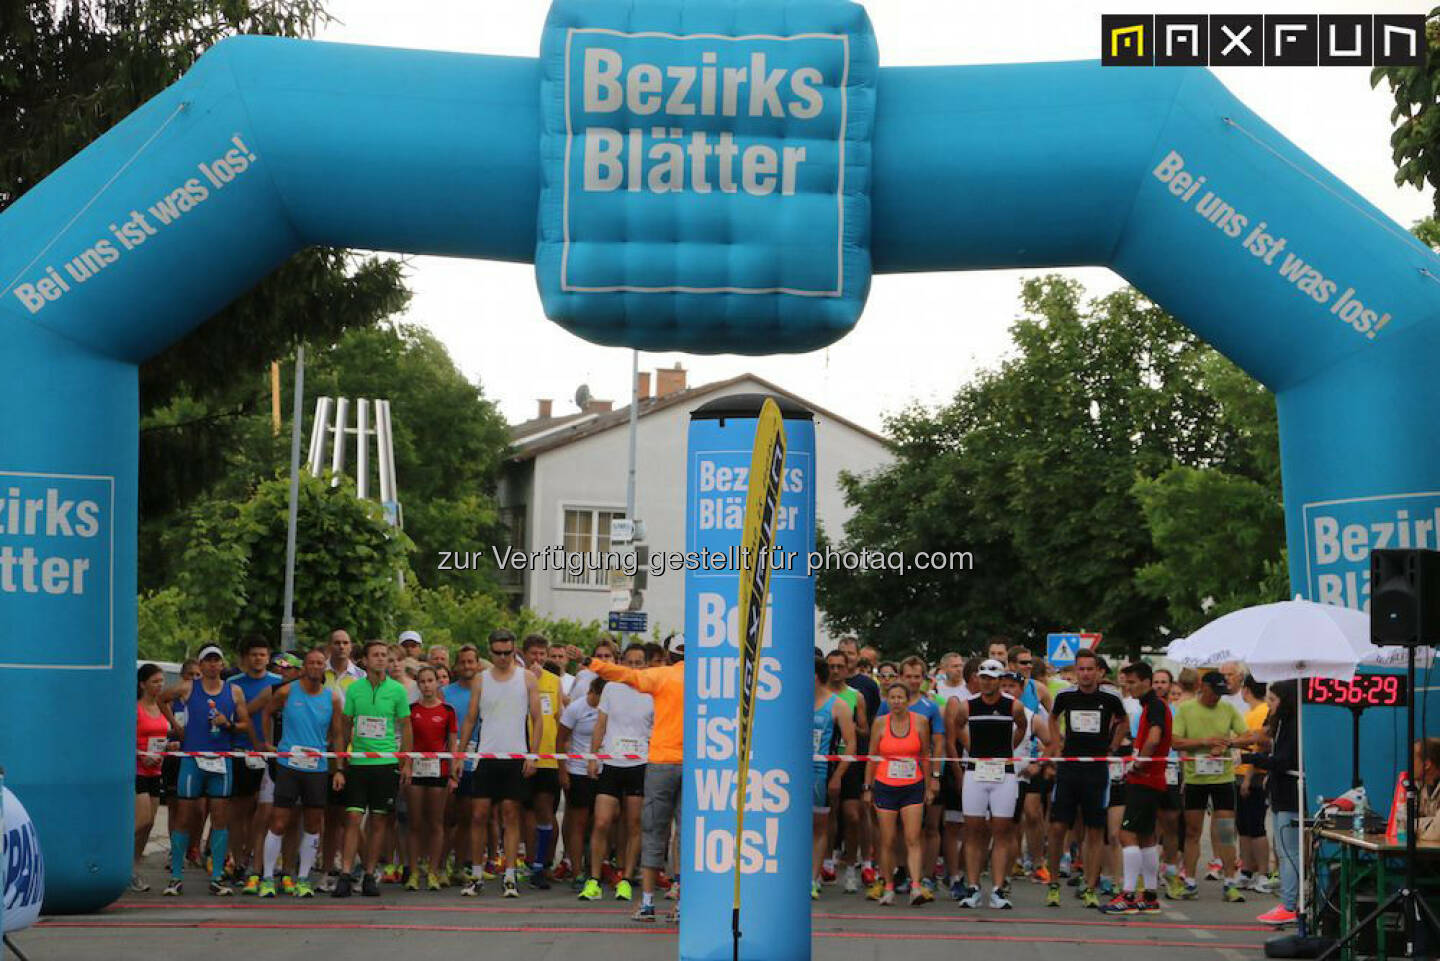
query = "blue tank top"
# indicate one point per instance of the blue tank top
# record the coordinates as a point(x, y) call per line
point(199, 707)
point(457, 695)
point(1029, 695)
point(307, 724)
point(253, 687)
point(822, 731)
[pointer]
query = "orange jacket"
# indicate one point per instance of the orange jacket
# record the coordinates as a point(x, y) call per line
point(666, 685)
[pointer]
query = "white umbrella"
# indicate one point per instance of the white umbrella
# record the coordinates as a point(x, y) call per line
point(1280, 642)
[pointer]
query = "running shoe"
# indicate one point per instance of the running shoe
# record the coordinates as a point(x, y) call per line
point(1264, 885)
point(958, 888)
point(412, 883)
point(1041, 875)
point(1149, 904)
point(875, 892)
point(867, 875)
point(673, 892)
point(999, 899)
point(472, 888)
point(370, 886)
point(267, 888)
point(509, 889)
point(562, 870)
point(138, 886)
point(391, 874)
point(592, 891)
point(645, 914)
point(663, 880)
point(1089, 899)
point(623, 891)
point(1052, 896)
point(1065, 865)
point(1214, 870)
point(827, 873)
point(608, 874)
point(971, 898)
point(577, 883)
point(432, 881)
point(922, 895)
point(888, 898)
point(304, 890)
point(1232, 895)
point(1020, 870)
point(252, 885)
point(1278, 915)
point(1122, 903)
point(342, 887)
point(929, 885)
point(815, 889)
point(1174, 887)
point(903, 885)
point(327, 886)
point(540, 879)
point(175, 888)
point(673, 915)
point(1107, 887)
point(852, 880)
point(491, 870)
point(1076, 878)
point(287, 884)
point(1191, 891)
point(221, 890)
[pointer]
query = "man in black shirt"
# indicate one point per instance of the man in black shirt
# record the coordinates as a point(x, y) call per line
point(1094, 723)
point(856, 815)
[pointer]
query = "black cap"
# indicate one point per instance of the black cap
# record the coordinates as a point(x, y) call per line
point(1216, 681)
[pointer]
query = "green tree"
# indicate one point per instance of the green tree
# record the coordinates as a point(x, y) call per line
point(1033, 467)
point(72, 69)
point(1415, 144)
point(450, 441)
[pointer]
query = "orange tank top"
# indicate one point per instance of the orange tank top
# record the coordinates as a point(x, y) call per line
point(902, 767)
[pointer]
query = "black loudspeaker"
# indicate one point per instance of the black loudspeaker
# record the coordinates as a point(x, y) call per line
point(1405, 596)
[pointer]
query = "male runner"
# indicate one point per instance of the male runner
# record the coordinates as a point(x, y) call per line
point(837, 668)
point(458, 808)
point(505, 704)
point(1208, 724)
point(1034, 696)
point(249, 817)
point(832, 721)
point(1144, 794)
point(624, 726)
point(376, 718)
point(214, 715)
point(989, 728)
point(858, 817)
point(663, 781)
point(1094, 724)
point(1036, 780)
point(311, 715)
point(544, 786)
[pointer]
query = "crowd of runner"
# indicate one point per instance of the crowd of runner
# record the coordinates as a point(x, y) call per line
point(967, 787)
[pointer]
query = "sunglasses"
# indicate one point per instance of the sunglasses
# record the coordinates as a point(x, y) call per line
point(509, 653)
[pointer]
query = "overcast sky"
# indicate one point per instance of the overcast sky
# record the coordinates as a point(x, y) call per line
point(913, 343)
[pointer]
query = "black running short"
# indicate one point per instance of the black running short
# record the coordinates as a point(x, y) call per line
point(1081, 788)
point(621, 782)
point(1220, 797)
point(372, 787)
point(1142, 809)
point(307, 789)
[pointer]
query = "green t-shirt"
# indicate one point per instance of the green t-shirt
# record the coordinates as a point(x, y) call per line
point(375, 709)
point(852, 697)
point(1195, 720)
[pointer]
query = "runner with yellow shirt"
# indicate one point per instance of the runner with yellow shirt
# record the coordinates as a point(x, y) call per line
point(544, 786)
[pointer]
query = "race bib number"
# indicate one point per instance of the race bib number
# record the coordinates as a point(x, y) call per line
point(816, 736)
point(1210, 766)
point(255, 763)
point(629, 745)
point(1117, 770)
point(369, 726)
point(545, 704)
point(305, 762)
point(902, 769)
point(1172, 773)
point(426, 767)
point(154, 747)
point(211, 765)
point(1085, 722)
point(989, 771)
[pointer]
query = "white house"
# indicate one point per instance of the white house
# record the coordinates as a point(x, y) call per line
point(566, 477)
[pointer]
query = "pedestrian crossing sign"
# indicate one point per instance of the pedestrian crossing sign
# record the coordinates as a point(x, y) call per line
point(1061, 649)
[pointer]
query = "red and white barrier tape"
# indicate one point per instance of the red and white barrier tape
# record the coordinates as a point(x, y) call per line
point(486, 756)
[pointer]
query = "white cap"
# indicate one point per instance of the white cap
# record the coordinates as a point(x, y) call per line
point(210, 650)
point(410, 636)
point(991, 668)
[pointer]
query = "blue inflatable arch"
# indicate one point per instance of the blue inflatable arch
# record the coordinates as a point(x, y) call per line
point(663, 219)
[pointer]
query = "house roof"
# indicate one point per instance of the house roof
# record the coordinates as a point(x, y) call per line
point(534, 437)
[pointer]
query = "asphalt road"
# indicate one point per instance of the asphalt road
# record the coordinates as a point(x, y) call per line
point(554, 925)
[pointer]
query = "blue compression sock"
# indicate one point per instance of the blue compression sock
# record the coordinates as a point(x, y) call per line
point(179, 843)
point(544, 837)
point(219, 843)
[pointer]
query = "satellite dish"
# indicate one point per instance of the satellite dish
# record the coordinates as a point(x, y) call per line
point(582, 396)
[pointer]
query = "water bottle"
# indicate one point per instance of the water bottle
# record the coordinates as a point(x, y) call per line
point(1358, 819)
point(214, 728)
point(1402, 820)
